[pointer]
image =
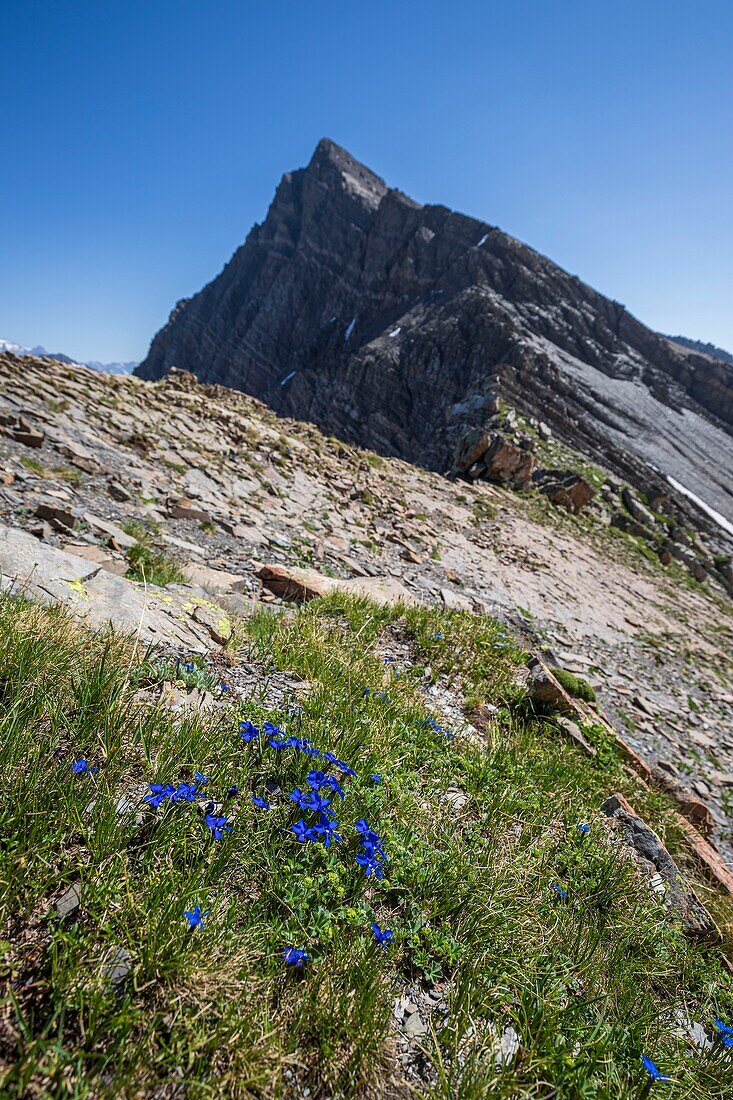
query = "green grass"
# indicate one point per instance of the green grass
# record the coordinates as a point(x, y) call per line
point(147, 562)
point(62, 473)
point(589, 984)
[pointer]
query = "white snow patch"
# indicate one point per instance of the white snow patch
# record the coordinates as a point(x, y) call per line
point(395, 331)
point(350, 329)
point(288, 377)
point(720, 520)
point(483, 240)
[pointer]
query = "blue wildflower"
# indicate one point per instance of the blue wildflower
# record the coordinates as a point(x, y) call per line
point(316, 802)
point(383, 937)
point(159, 793)
point(260, 803)
point(303, 831)
point(185, 792)
point(188, 666)
point(316, 779)
point(233, 790)
point(299, 798)
point(224, 687)
point(438, 635)
point(279, 743)
point(584, 829)
point(195, 917)
point(218, 825)
point(80, 766)
point(326, 830)
point(294, 956)
point(655, 1073)
point(333, 784)
point(375, 777)
point(248, 731)
point(370, 865)
point(559, 891)
point(725, 1033)
point(201, 779)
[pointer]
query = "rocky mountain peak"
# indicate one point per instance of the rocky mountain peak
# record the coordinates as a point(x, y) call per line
point(329, 158)
point(392, 325)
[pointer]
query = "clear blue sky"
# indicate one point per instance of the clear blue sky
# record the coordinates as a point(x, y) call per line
point(142, 138)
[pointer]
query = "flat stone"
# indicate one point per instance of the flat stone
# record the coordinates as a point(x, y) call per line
point(117, 966)
point(415, 1027)
point(69, 901)
point(216, 623)
point(213, 580)
point(101, 557)
point(118, 537)
point(293, 583)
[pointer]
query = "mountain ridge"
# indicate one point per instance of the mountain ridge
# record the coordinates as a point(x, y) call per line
point(394, 325)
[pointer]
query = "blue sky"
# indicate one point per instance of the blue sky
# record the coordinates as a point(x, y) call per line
point(141, 140)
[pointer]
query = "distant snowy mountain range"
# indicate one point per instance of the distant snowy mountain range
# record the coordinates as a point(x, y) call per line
point(108, 368)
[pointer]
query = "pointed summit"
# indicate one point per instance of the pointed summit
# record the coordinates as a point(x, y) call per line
point(328, 156)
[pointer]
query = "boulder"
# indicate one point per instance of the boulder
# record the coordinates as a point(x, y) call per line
point(293, 583)
point(508, 464)
point(470, 448)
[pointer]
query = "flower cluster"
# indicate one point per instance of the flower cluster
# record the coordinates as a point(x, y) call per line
point(316, 802)
point(373, 854)
point(166, 792)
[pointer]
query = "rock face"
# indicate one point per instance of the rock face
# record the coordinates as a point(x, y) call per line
point(395, 326)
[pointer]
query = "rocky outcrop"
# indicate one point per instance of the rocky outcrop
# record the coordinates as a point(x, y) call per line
point(396, 325)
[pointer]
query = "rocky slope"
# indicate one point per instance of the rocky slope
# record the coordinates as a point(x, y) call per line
point(396, 325)
point(225, 486)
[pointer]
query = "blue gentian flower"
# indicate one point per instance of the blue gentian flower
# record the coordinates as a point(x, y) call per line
point(201, 779)
point(333, 784)
point(248, 731)
point(584, 829)
point(233, 790)
point(80, 766)
point(316, 802)
point(326, 830)
point(375, 777)
point(299, 798)
point(725, 1033)
point(303, 831)
point(559, 891)
point(294, 956)
point(224, 687)
point(279, 743)
point(218, 825)
point(188, 666)
point(185, 792)
point(438, 635)
point(195, 917)
point(159, 793)
point(370, 865)
point(383, 937)
point(260, 803)
point(655, 1073)
point(316, 779)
